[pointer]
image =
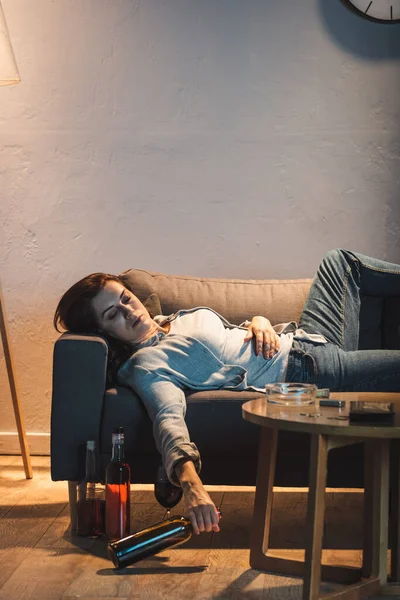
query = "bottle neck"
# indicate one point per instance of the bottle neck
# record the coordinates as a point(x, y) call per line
point(90, 465)
point(117, 447)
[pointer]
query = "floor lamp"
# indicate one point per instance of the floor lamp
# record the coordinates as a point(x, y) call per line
point(8, 76)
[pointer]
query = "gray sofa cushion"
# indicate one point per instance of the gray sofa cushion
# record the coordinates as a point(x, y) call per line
point(236, 299)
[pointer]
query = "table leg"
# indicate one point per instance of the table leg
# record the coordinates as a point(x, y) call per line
point(261, 523)
point(376, 509)
point(394, 521)
point(315, 516)
point(368, 509)
point(311, 569)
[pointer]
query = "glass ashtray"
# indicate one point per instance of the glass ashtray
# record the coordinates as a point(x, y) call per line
point(291, 394)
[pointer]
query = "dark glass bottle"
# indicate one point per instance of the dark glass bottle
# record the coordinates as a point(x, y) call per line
point(152, 540)
point(91, 503)
point(118, 478)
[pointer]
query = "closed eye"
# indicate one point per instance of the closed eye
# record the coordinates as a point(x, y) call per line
point(125, 300)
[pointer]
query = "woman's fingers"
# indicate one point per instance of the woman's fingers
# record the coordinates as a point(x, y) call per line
point(204, 518)
point(266, 341)
point(200, 518)
point(260, 341)
point(193, 519)
point(206, 515)
point(271, 344)
point(215, 519)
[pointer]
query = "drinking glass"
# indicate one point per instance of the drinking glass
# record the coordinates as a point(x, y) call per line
point(167, 494)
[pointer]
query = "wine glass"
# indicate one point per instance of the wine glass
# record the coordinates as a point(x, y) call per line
point(167, 494)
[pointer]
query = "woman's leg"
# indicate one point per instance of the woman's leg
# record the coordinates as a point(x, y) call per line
point(333, 304)
point(359, 370)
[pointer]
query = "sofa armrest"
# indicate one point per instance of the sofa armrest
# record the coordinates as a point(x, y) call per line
point(79, 382)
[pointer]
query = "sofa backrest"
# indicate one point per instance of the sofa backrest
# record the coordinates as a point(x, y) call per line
point(235, 299)
point(280, 300)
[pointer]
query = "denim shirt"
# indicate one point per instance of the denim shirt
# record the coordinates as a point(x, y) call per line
point(162, 367)
point(159, 373)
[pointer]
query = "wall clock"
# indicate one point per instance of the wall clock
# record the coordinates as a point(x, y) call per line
point(383, 11)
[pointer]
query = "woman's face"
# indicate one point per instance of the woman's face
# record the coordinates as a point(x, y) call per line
point(121, 315)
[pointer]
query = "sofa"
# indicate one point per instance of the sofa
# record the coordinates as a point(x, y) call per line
point(84, 407)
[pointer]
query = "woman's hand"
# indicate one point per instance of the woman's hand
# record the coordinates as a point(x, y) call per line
point(266, 340)
point(200, 508)
point(198, 505)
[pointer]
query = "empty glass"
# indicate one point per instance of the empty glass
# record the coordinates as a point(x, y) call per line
point(291, 394)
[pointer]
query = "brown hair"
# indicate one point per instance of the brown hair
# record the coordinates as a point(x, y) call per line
point(75, 313)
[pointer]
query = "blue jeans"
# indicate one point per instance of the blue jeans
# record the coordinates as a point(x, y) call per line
point(333, 309)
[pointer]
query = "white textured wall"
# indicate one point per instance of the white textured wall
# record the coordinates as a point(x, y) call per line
point(218, 138)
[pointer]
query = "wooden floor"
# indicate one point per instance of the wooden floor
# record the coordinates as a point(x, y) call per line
point(41, 560)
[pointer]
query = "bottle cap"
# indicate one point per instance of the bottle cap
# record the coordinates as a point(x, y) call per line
point(91, 445)
point(118, 434)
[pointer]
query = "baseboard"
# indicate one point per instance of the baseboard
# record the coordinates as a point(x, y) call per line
point(38, 443)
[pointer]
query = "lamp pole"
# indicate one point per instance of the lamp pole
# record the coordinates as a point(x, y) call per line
point(9, 75)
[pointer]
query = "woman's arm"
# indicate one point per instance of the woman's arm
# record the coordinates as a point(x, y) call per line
point(165, 403)
point(180, 456)
point(199, 507)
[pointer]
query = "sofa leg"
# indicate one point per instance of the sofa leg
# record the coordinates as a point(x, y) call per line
point(73, 503)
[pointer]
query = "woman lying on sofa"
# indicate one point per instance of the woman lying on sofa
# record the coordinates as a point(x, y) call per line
point(159, 357)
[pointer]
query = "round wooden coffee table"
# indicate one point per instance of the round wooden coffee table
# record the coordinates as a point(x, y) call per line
point(327, 432)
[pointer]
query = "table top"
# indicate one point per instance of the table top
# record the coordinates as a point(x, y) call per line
point(323, 419)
